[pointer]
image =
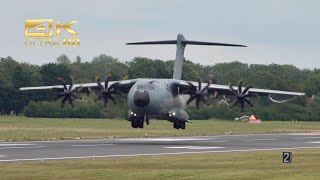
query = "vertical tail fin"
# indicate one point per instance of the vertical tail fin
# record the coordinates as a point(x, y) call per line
point(177, 72)
point(181, 43)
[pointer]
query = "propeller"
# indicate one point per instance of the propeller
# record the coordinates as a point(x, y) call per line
point(106, 92)
point(68, 94)
point(197, 93)
point(241, 95)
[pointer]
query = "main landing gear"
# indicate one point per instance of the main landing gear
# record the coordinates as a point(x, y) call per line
point(138, 121)
point(179, 124)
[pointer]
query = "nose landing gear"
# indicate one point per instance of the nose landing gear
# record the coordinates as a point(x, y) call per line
point(137, 121)
point(179, 124)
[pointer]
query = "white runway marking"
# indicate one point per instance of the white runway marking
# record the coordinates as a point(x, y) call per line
point(193, 147)
point(307, 138)
point(213, 141)
point(32, 147)
point(305, 134)
point(14, 144)
point(90, 145)
point(260, 140)
point(166, 139)
point(155, 154)
point(315, 142)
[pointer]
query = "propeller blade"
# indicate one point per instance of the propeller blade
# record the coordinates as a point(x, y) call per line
point(112, 86)
point(64, 85)
point(191, 99)
point(231, 88)
point(198, 103)
point(114, 101)
point(106, 83)
point(192, 86)
point(74, 96)
point(99, 83)
point(114, 92)
point(199, 84)
point(71, 85)
point(205, 101)
point(242, 107)
point(63, 101)
point(248, 102)
point(240, 87)
point(58, 97)
point(233, 91)
point(70, 101)
point(205, 88)
point(246, 89)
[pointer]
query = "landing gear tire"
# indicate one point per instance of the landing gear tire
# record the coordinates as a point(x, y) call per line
point(176, 124)
point(179, 124)
point(183, 125)
point(141, 123)
point(134, 124)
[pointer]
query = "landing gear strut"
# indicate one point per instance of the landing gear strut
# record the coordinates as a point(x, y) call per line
point(179, 124)
point(146, 119)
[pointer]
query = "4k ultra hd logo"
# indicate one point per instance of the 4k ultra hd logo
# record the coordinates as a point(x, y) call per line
point(47, 33)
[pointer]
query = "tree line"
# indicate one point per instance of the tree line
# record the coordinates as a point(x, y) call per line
point(15, 74)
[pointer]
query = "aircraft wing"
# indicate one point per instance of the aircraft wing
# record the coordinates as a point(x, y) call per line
point(122, 86)
point(225, 90)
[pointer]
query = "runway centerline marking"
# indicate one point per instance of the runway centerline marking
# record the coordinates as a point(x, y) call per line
point(307, 138)
point(260, 140)
point(156, 154)
point(214, 141)
point(166, 139)
point(315, 142)
point(193, 147)
point(90, 145)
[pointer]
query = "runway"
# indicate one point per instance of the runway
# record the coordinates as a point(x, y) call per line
point(112, 148)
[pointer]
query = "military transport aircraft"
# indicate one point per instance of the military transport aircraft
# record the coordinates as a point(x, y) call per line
point(162, 98)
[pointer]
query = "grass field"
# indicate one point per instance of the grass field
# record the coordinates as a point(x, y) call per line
point(22, 128)
point(244, 165)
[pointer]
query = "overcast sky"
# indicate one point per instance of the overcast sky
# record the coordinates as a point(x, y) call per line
point(275, 31)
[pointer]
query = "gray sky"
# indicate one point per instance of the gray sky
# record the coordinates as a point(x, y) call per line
point(282, 32)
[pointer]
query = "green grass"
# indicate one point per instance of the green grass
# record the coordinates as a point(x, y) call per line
point(22, 128)
point(244, 165)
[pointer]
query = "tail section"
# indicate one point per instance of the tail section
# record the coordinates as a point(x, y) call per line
point(181, 43)
point(177, 71)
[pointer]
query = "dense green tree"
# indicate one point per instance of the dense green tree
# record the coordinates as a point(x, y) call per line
point(63, 59)
point(312, 84)
point(52, 73)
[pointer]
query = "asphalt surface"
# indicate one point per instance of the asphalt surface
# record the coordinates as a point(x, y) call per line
point(111, 148)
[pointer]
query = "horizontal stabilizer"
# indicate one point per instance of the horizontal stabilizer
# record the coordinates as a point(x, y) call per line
point(185, 42)
point(210, 43)
point(154, 42)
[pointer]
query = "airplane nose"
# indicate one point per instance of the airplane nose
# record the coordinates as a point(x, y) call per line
point(141, 99)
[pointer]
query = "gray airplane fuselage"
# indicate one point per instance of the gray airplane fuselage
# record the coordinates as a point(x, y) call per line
point(156, 98)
